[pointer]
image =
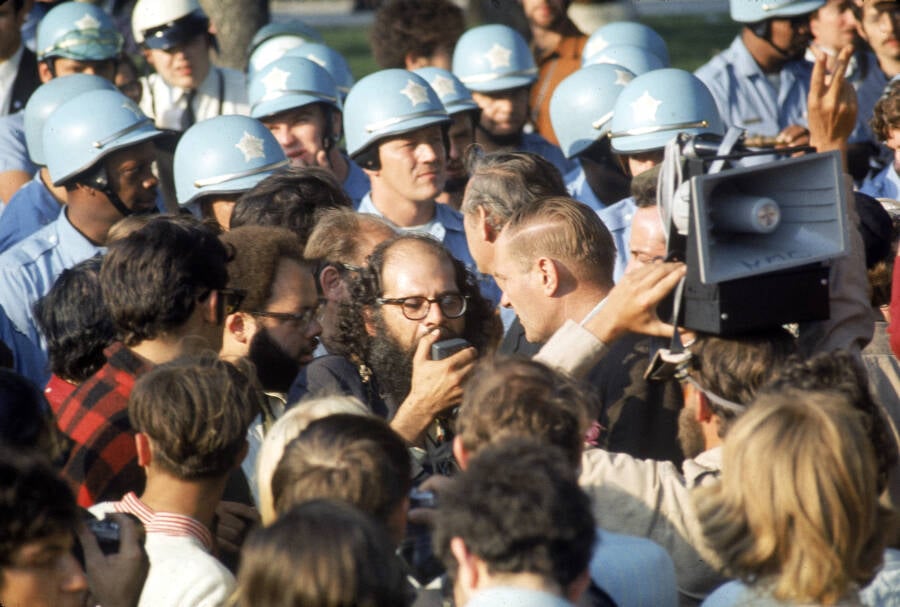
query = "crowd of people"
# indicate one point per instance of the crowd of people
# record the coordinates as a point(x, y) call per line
point(439, 336)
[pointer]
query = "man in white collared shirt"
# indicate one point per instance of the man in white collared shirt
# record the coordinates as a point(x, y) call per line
point(18, 66)
point(186, 88)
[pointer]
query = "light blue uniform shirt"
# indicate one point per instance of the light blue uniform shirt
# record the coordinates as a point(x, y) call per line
point(448, 229)
point(507, 596)
point(535, 144)
point(27, 271)
point(580, 189)
point(747, 99)
point(13, 150)
point(356, 185)
point(617, 219)
point(622, 564)
point(29, 210)
point(886, 184)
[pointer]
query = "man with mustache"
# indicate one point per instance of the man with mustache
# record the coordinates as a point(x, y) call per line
point(761, 82)
point(413, 294)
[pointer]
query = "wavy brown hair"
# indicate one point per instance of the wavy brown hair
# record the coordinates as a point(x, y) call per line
point(796, 511)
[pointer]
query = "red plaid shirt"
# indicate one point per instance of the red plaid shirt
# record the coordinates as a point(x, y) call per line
point(103, 464)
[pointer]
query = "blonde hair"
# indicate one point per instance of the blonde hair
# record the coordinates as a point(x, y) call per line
point(287, 429)
point(796, 511)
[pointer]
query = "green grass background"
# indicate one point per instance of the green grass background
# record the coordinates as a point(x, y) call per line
point(692, 40)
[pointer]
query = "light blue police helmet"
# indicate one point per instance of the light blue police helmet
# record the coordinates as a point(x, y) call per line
point(387, 103)
point(454, 95)
point(636, 59)
point(224, 155)
point(331, 60)
point(491, 58)
point(77, 30)
point(581, 107)
point(273, 40)
point(753, 11)
point(288, 83)
point(656, 106)
point(626, 32)
point(50, 96)
point(89, 127)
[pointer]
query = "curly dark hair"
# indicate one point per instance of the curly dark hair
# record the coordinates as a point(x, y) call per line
point(34, 502)
point(152, 278)
point(353, 341)
point(518, 507)
point(291, 198)
point(886, 114)
point(419, 27)
point(74, 319)
point(841, 372)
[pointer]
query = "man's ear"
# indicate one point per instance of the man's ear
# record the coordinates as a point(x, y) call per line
point(488, 233)
point(578, 586)
point(467, 572)
point(414, 62)
point(704, 411)
point(460, 453)
point(148, 55)
point(44, 72)
point(549, 274)
point(332, 286)
point(241, 326)
point(144, 452)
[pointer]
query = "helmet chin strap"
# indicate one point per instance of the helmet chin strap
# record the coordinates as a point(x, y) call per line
point(100, 181)
point(763, 31)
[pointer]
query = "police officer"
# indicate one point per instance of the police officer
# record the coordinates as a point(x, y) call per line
point(581, 110)
point(219, 159)
point(299, 103)
point(98, 145)
point(74, 37)
point(464, 115)
point(769, 48)
point(39, 202)
point(186, 88)
point(273, 40)
point(626, 33)
point(495, 63)
point(650, 111)
point(396, 130)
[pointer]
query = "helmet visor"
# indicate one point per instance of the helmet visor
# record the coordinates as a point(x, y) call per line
point(177, 33)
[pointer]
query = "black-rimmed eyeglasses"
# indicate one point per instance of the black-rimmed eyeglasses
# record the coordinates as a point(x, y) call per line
point(452, 305)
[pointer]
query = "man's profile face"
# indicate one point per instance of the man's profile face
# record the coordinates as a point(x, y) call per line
point(520, 283)
point(131, 176)
point(648, 240)
point(281, 346)
point(791, 35)
point(879, 27)
point(300, 132)
point(185, 66)
point(44, 573)
point(413, 165)
point(412, 269)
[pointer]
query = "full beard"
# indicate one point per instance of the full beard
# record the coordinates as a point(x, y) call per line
point(391, 364)
point(275, 369)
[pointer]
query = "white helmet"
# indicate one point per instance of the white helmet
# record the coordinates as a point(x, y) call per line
point(164, 24)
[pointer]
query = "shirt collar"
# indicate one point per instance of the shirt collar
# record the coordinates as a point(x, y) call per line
point(73, 245)
point(165, 523)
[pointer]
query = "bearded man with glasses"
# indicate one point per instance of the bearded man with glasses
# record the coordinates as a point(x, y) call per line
point(412, 294)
